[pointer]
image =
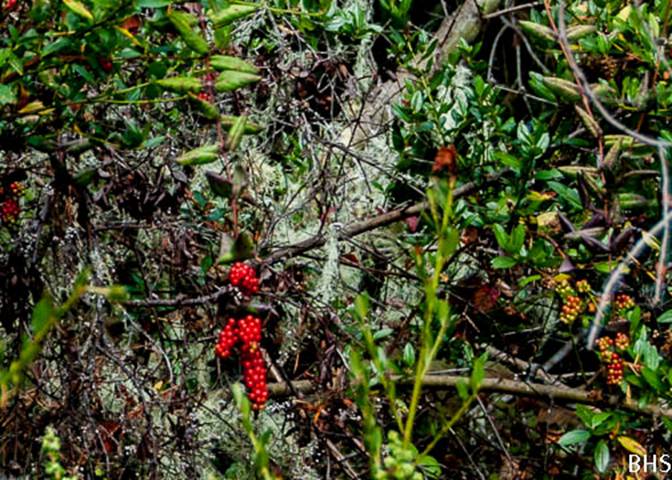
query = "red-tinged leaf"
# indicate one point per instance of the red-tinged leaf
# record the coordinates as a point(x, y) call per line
point(445, 160)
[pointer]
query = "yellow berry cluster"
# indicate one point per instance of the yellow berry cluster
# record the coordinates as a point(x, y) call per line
point(583, 286)
point(564, 289)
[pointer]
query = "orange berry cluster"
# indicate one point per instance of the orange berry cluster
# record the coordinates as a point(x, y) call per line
point(613, 360)
point(570, 309)
point(622, 341)
point(624, 301)
point(244, 277)
point(247, 332)
point(10, 208)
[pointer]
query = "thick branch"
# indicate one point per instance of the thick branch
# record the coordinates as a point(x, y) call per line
point(503, 385)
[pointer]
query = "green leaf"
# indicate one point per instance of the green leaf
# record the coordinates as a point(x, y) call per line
point(598, 419)
point(501, 236)
point(153, 3)
point(665, 317)
point(652, 379)
point(7, 95)
point(362, 305)
point(570, 195)
point(478, 372)
point(42, 313)
point(200, 155)
point(517, 239)
point(232, 13)
point(382, 333)
point(227, 62)
point(230, 80)
point(236, 133)
point(601, 455)
point(574, 437)
point(182, 22)
point(462, 390)
point(503, 262)
point(409, 354)
point(180, 84)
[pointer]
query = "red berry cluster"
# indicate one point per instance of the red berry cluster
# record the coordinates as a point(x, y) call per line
point(244, 277)
point(10, 210)
point(254, 372)
point(570, 309)
point(247, 331)
point(16, 188)
point(250, 332)
point(624, 301)
point(9, 207)
point(615, 369)
point(228, 338)
point(613, 360)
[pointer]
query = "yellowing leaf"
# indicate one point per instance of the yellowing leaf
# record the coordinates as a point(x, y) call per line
point(631, 445)
point(32, 107)
point(78, 8)
point(128, 35)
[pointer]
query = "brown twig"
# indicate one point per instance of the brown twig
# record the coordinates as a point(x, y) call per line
point(367, 225)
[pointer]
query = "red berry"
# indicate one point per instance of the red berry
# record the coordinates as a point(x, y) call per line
point(10, 4)
point(254, 373)
point(105, 64)
point(10, 210)
point(244, 277)
point(206, 97)
point(227, 339)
